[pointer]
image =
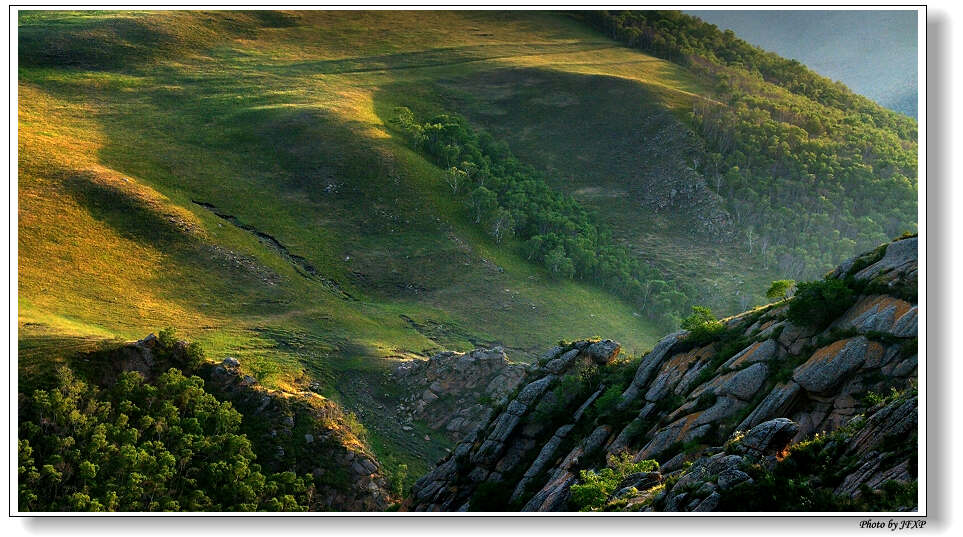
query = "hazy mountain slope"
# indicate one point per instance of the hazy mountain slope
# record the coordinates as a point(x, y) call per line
point(873, 52)
point(809, 171)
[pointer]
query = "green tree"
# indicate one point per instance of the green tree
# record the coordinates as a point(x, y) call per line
point(780, 289)
point(702, 324)
point(502, 225)
point(482, 202)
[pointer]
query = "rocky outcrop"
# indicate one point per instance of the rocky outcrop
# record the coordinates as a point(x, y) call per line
point(527, 443)
point(865, 451)
point(454, 392)
point(732, 405)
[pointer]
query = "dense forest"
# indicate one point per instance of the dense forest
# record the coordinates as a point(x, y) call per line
point(140, 444)
point(810, 171)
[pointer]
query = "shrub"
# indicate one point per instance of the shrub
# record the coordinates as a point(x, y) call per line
point(354, 425)
point(607, 401)
point(594, 488)
point(702, 325)
point(818, 303)
point(780, 289)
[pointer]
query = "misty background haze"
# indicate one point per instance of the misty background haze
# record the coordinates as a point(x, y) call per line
point(873, 52)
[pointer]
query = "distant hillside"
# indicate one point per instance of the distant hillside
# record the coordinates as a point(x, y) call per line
point(874, 52)
point(808, 169)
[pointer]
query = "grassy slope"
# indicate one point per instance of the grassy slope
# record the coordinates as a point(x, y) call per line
point(276, 122)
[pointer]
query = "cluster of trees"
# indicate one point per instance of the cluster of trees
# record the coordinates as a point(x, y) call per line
point(512, 201)
point(167, 445)
point(811, 172)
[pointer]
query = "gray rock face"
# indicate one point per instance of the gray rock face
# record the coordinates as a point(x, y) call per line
point(581, 410)
point(542, 460)
point(732, 477)
point(446, 391)
point(824, 393)
point(534, 390)
point(769, 437)
point(554, 495)
point(762, 351)
point(829, 365)
point(904, 368)
point(604, 352)
point(901, 256)
point(650, 364)
point(504, 426)
point(231, 362)
point(690, 377)
point(881, 313)
point(710, 503)
point(777, 403)
point(560, 364)
point(551, 354)
point(640, 480)
point(793, 336)
point(744, 384)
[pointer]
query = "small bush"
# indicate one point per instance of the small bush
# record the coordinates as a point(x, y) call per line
point(818, 303)
point(594, 488)
point(780, 289)
point(607, 401)
point(702, 325)
point(706, 400)
point(354, 425)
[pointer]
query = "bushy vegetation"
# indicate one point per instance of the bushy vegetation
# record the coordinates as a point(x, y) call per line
point(138, 446)
point(806, 478)
point(594, 488)
point(702, 325)
point(780, 289)
point(512, 200)
point(818, 303)
point(810, 172)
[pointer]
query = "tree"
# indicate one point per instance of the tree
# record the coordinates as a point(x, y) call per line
point(455, 178)
point(702, 324)
point(818, 303)
point(502, 225)
point(482, 202)
point(558, 263)
point(780, 289)
point(140, 446)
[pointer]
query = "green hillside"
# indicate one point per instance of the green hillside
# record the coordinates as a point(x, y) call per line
point(128, 122)
point(237, 176)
